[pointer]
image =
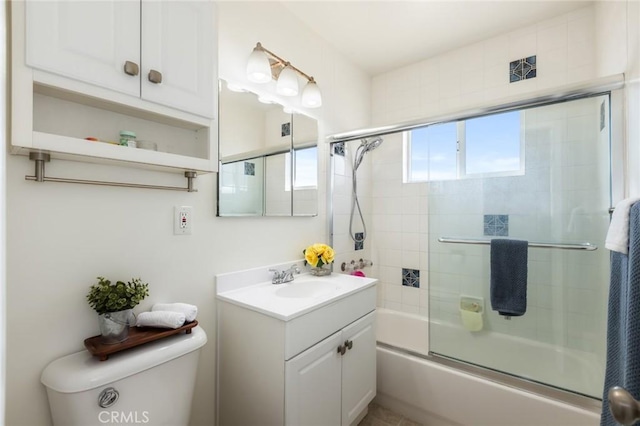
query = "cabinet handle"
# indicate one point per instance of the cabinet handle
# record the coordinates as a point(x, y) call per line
point(348, 344)
point(155, 77)
point(342, 349)
point(131, 68)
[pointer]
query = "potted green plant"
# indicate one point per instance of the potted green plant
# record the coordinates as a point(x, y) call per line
point(114, 304)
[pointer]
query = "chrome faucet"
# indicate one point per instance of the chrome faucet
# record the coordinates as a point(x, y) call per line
point(280, 277)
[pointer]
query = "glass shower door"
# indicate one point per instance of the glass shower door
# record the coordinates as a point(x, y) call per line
point(560, 195)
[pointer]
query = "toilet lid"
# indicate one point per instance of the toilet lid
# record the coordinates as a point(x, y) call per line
point(81, 371)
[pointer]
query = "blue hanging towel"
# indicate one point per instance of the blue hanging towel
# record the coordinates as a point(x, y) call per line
point(509, 276)
point(623, 322)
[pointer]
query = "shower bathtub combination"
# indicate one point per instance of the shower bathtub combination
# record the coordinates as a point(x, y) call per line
point(445, 357)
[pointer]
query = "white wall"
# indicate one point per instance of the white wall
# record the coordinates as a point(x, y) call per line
point(618, 51)
point(62, 236)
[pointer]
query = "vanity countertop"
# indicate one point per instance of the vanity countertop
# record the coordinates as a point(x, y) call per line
point(298, 297)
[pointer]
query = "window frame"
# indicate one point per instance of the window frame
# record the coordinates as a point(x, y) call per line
point(461, 152)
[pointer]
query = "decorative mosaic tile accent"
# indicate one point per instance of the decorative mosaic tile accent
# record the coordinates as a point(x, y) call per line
point(338, 148)
point(496, 225)
point(249, 169)
point(359, 245)
point(523, 69)
point(411, 277)
point(286, 129)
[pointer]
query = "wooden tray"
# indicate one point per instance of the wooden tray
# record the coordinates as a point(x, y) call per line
point(137, 336)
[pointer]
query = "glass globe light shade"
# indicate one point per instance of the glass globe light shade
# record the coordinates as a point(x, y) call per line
point(287, 82)
point(311, 97)
point(258, 67)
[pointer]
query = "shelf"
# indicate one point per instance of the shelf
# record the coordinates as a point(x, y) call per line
point(65, 146)
point(137, 336)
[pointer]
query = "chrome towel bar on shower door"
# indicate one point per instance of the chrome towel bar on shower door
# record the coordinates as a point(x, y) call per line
point(568, 246)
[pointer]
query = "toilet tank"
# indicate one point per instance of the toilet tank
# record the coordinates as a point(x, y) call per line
point(150, 384)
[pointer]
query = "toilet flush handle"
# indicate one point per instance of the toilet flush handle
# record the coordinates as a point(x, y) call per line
point(108, 397)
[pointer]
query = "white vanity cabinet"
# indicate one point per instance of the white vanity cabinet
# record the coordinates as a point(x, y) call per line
point(344, 361)
point(92, 68)
point(318, 368)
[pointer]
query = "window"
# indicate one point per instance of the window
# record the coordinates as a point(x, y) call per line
point(305, 172)
point(491, 145)
point(433, 153)
point(305, 169)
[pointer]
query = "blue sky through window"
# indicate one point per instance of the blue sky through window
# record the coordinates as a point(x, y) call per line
point(306, 169)
point(433, 152)
point(491, 145)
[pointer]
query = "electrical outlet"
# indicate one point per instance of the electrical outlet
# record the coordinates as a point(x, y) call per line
point(182, 220)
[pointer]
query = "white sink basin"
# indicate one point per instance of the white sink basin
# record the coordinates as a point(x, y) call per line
point(290, 300)
point(311, 288)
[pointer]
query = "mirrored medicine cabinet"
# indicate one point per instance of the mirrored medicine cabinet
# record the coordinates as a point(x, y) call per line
point(268, 158)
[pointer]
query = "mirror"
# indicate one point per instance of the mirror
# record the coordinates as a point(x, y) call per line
point(305, 165)
point(262, 151)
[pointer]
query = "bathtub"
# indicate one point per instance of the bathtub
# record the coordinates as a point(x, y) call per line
point(435, 394)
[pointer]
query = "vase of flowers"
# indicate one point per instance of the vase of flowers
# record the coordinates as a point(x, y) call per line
point(319, 257)
point(114, 304)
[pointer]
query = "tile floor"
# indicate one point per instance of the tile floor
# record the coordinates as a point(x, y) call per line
point(380, 416)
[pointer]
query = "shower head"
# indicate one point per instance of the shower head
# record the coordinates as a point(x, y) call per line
point(365, 146)
point(370, 145)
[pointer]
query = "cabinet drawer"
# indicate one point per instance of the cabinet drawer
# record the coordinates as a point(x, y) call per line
point(305, 331)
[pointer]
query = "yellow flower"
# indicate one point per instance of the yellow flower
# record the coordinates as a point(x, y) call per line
point(319, 254)
point(328, 255)
point(311, 256)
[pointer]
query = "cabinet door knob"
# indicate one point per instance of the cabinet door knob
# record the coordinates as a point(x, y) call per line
point(155, 76)
point(342, 349)
point(131, 68)
point(348, 344)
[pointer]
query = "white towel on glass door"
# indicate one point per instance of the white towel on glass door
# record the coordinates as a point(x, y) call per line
point(618, 234)
point(190, 311)
point(161, 319)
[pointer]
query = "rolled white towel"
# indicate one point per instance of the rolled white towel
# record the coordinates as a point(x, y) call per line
point(190, 311)
point(618, 234)
point(161, 319)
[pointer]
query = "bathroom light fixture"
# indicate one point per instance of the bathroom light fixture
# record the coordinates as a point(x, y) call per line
point(287, 81)
point(263, 65)
point(311, 97)
point(258, 66)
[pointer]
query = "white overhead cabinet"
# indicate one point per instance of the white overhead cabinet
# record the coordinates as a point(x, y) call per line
point(86, 41)
point(92, 68)
point(178, 49)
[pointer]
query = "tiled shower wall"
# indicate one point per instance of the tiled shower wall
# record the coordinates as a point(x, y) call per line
point(564, 47)
point(342, 199)
point(565, 53)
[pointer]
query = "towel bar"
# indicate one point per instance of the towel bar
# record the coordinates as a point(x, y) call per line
point(41, 157)
point(571, 246)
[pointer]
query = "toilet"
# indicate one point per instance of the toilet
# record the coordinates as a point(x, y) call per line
point(149, 384)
